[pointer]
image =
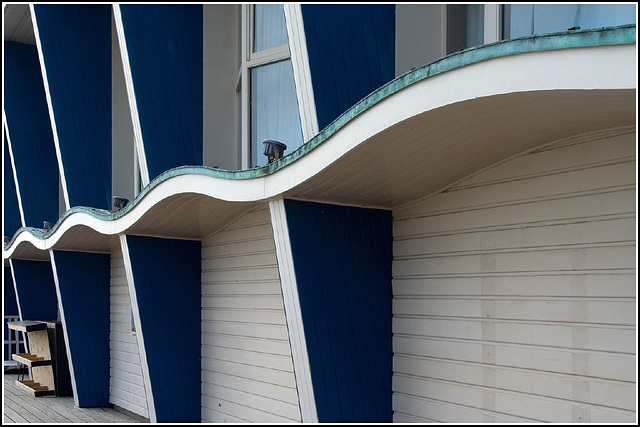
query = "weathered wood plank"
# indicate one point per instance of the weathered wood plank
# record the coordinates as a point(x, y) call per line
point(19, 407)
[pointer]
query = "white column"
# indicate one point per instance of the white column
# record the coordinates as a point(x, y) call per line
point(293, 313)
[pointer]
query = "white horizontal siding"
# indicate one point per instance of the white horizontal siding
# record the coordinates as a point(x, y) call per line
point(126, 387)
point(514, 290)
point(247, 368)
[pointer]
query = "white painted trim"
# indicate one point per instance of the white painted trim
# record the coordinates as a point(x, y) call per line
point(492, 23)
point(443, 35)
point(245, 149)
point(293, 313)
point(537, 71)
point(64, 328)
point(52, 118)
point(275, 54)
point(139, 335)
point(131, 93)
point(301, 70)
point(13, 169)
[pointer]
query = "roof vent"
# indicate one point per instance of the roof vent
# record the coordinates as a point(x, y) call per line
point(119, 203)
point(274, 150)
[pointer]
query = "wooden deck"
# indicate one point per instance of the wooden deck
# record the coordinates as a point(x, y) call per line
point(19, 407)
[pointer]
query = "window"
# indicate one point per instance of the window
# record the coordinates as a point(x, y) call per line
point(528, 19)
point(465, 26)
point(269, 105)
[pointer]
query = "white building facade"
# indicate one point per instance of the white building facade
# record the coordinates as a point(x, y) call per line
point(449, 236)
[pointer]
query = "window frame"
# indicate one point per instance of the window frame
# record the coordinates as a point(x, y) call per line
point(249, 60)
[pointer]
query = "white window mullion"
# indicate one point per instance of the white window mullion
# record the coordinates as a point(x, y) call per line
point(492, 23)
point(244, 91)
point(264, 57)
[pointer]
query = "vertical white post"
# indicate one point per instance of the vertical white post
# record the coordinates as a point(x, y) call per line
point(131, 93)
point(139, 328)
point(293, 313)
point(301, 70)
point(64, 327)
point(13, 167)
point(52, 118)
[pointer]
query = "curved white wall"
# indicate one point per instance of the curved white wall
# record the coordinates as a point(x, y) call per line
point(514, 290)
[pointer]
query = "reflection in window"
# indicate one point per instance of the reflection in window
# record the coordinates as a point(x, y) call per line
point(269, 27)
point(465, 26)
point(528, 19)
point(274, 109)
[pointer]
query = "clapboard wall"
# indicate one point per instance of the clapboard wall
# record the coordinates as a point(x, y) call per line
point(514, 290)
point(126, 385)
point(247, 369)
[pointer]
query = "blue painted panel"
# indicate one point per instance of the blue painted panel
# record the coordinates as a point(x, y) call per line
point(10, 309)
point(342, 258)
point(165, 52)
point(11, 209)
point(36, 289)
point(166, 276)
point(9, 298)
point(351, 53)
point(83, 279)
point(29, 127)
point(76, 46)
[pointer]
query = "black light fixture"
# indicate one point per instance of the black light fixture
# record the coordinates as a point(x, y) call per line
point(273, 149)
point(47, 225)
point(119, 203)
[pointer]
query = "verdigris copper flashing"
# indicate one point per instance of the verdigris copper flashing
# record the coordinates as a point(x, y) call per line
point(606, 36)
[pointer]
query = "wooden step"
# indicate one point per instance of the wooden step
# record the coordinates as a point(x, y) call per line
point(27, 326)
point(30, 359)
point(34, 388)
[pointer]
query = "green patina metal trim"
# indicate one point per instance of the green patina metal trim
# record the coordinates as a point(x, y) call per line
point(625, 34)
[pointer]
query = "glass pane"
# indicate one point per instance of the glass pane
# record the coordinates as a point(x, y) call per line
point(274, 109)
point(465, 26)
point(528, 19)
point(269, 27)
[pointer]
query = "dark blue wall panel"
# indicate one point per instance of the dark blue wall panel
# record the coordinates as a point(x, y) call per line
point(166, 276)
point(29, 127)
point(10, 309)
point(76, 46)
point(11, 209)
point(165, 52)
point(342, 258)
point(83, 279)
point(36, 290)
point(351, 53)
point(10, 305)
